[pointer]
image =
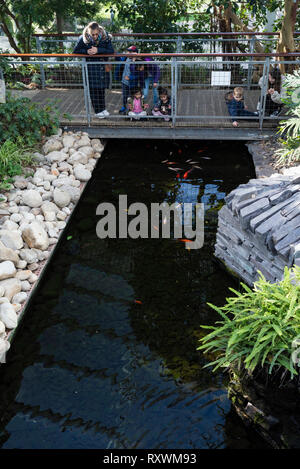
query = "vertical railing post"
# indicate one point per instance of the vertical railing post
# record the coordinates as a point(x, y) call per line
point(42, 71)
point(250, 64)
point(178, 50)
point(174, 89)
point(86, 90)
point(264, 90)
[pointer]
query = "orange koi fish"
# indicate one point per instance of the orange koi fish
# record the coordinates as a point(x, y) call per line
point(183, 240)
point(178, 175)
point(187, 173)
point(138, 302)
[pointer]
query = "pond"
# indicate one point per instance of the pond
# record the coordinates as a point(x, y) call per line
point(106, 355)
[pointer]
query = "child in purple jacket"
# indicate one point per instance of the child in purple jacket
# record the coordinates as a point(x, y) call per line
point(151, 75)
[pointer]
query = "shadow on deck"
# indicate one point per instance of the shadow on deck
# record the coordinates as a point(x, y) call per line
point(200, 116)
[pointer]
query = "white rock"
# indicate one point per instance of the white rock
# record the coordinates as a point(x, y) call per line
point(56, 156)
point(47, 185)
point(4, 300)
point(11, 239)
point(29, 217)
point(11, 287)
point(25, 285)
point(33, 278)
point(21, 264)
point(81, 173)
point(4, 347)
point(23, 274)
point(16, 217)
point(2, 328)
point(7, 270)
point(17, 307)
point(32, 198)
point(78, 157)
point(29, 255)
point(33, 266)
point(82, 142)
point(73, 191)
point(88, 150)
point(1, 291)
point(35, 236)
point(61, 215)
point(61, 197)
point(13, 209)
point(68, 141)
point(24, 209)
point(8, 315)
point(8, 254)
point(52, 145)
point(20, 297)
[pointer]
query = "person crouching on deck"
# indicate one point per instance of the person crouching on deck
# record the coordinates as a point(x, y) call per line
point(136, 106)
point(163, 108)
point(95, 40)
point(236, 106)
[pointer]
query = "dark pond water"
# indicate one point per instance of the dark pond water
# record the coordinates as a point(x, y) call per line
point(92, 368)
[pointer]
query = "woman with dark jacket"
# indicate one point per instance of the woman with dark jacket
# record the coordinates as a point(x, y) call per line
point(95, 40)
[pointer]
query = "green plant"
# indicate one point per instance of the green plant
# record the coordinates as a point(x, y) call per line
point(258, 326)
point(289, 153)
point(13, 157)
point(20, 116)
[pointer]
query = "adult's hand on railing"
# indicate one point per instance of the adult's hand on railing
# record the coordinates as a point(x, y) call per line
point(93, 50)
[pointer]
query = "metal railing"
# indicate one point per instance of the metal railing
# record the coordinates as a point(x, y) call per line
point(197, 83)
point(170, 42)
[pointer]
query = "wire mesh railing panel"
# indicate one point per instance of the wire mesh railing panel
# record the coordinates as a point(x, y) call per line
point(178, 90)
point(55, 83)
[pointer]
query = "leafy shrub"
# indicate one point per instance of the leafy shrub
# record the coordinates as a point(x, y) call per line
point(289, 153)
point(259, 326)
point(20, 116)
point(13, 157)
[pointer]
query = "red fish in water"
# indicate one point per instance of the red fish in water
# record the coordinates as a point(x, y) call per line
point(138, 302)
point(183, 240)
point(178, 175)
point(200, 151)
point(171, 162)
point(187, 173)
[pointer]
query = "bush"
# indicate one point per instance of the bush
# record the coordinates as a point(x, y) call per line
point(289, 153)
point(19, 116)
point(260, 327)
point(13, 156)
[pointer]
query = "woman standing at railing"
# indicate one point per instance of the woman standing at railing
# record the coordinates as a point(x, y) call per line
point(95, 40)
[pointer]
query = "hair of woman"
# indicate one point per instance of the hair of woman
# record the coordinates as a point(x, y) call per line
point(92, 26)
point(276, 74)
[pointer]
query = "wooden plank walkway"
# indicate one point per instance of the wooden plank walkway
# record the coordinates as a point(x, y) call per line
point(208, 104)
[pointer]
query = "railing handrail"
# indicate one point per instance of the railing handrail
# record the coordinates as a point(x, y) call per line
point(176, 54)
point(230, 33)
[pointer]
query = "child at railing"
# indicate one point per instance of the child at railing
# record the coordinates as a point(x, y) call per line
point(136, 106)
point(236, 106)
point(131, 78)
point(164, 106)
point(275, 93)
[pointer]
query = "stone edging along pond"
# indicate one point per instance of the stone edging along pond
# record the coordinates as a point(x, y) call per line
point(33, 216)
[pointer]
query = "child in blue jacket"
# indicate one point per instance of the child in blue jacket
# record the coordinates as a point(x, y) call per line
point(236, 107)
point(132, 77)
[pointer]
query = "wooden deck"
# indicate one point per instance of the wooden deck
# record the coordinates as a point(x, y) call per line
point(208, 107)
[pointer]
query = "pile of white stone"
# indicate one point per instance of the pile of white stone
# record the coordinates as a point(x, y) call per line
point(33, 214)
point(259, 227)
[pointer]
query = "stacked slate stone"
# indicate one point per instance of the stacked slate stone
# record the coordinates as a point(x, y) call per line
point(259, 228)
